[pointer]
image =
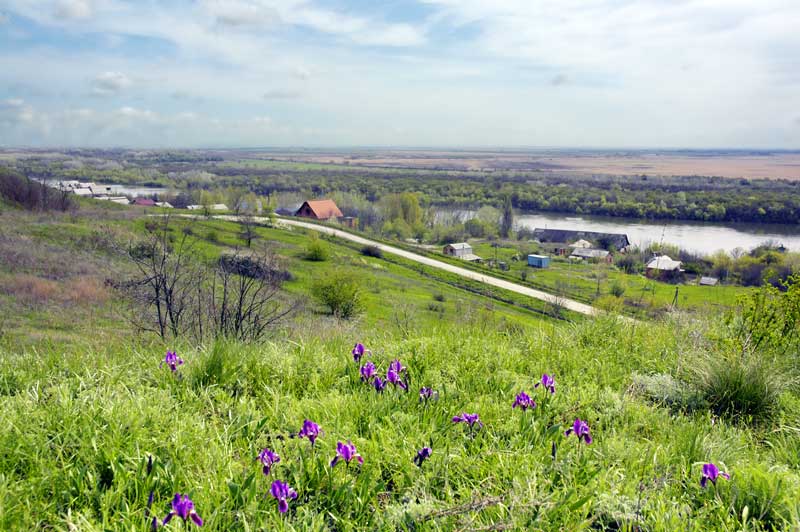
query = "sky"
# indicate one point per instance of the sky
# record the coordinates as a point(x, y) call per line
point(421, 73)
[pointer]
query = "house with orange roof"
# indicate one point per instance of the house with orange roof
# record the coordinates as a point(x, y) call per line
point(324, 209)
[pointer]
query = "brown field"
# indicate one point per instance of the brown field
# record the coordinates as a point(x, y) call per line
point(780, 165)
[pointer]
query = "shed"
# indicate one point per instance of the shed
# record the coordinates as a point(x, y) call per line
point(581, 244)
point(709, 281)
point(458, 249)
point(591, 254)
point(539, 261)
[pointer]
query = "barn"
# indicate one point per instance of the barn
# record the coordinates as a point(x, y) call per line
point(324, 209)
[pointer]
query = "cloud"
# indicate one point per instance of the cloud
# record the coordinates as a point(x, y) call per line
point(241, 14)
point(109, 83)
point(73, 9)
point(559, 80)
point(282, 94)
point(4, 18)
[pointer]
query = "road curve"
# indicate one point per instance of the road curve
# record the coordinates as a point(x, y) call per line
point(463, 272)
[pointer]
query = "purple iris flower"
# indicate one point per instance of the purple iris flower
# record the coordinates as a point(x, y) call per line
point(422, 455)
point(268, 459)
point(310, 430)
point(581, 429)
point(711, 472)
point(523, 401)
point(183, 507)
point(281, 491)
point(426, 394)
point(172, 360)
point(347, 452)
point(548, 383)
point(469, 419)
point(358, 351)
point(393, 374)
point(379, 384)
point(368, 371)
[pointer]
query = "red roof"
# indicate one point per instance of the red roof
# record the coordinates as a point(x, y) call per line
point(323, 209)
point(144, 202)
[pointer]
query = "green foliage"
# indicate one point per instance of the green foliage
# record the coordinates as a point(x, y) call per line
point(768, 317)
point(739, 386)
point(341, 293)
point(316, 250)
point(372, 251)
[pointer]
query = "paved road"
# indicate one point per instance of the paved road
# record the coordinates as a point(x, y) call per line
point(463, 272)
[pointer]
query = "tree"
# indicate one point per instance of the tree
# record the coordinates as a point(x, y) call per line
point(507, 218)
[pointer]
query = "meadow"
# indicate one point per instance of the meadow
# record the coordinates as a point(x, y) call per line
point(101, 433)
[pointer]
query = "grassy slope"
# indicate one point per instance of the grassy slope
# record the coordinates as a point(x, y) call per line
point(83, 412)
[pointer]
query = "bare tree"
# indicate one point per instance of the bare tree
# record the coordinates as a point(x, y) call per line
point(245, 298)
point(248, 233)
point(165, 282)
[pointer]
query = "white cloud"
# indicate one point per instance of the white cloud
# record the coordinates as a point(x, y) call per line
point(109, 83)
point(73, 9)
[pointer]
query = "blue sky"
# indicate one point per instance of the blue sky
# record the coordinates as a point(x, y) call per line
point(578, 73)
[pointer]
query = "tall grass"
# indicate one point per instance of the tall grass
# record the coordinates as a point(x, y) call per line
point(81, 421)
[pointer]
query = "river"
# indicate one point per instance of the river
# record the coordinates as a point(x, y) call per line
point(701, 237)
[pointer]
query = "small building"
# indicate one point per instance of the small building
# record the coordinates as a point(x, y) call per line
point(461, 250)
point(194, 207)
point(144, 202)
point(218, 207)
point(319, 210)
point(539, 261)
point(165, 204)
point(86, 192)
point(664, 268)
point(595, 255)
point(349, 221)
point(708, 281)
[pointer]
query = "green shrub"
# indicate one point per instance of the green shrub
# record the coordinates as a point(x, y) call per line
point(742, 387)
point(316, 250)
point(372, 251)
point(617, 289)
point(341, 293)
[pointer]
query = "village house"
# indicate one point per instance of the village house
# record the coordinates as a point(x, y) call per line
point(325, 210)
point(593, 255)
point(144, 202)
point(461, 250)
point(563, 241)
point(662, 267)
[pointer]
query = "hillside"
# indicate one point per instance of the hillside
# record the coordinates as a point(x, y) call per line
point(96, 422)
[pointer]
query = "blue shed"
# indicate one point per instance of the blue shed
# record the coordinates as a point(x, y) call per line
point(538, 261)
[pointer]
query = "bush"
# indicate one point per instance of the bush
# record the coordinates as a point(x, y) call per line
point(439, 297)
point(617, 289)
point(741, 387)
point(317, 251)
point(372, 251)
point(341, 293)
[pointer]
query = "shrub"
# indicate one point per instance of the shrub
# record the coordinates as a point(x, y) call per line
point(742, 387)
point(212, 236)
point(341, 293)
point(372, 251)
point(439, 297)
point(617, 289)
point(316, 251)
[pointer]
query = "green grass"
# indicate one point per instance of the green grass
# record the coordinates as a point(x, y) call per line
point(84, 404)
point(83, 419)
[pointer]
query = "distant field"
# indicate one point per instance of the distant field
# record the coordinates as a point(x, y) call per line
point(781, 165)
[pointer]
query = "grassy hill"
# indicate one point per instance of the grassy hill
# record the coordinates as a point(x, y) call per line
point(94, 423)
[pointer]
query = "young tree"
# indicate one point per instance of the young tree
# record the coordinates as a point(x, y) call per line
point(507, 218)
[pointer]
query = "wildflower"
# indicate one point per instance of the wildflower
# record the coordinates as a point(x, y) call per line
point(172, 360)
point(581, 429)
point(548, 383)
point(379, 384)
point(281, 491)
point(310, 430)
point(183, 507)
point(422, 455)
point(394, 372)
point(523, 401)
point(711, 472)
point(426, 394)
point(149, 467)
point(154, 524)
point(469, 419)
point(358, 351)
point(268, 459)
point(367, 371)
point(346, 452)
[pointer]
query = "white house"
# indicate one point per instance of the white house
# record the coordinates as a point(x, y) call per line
point(462, 250)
